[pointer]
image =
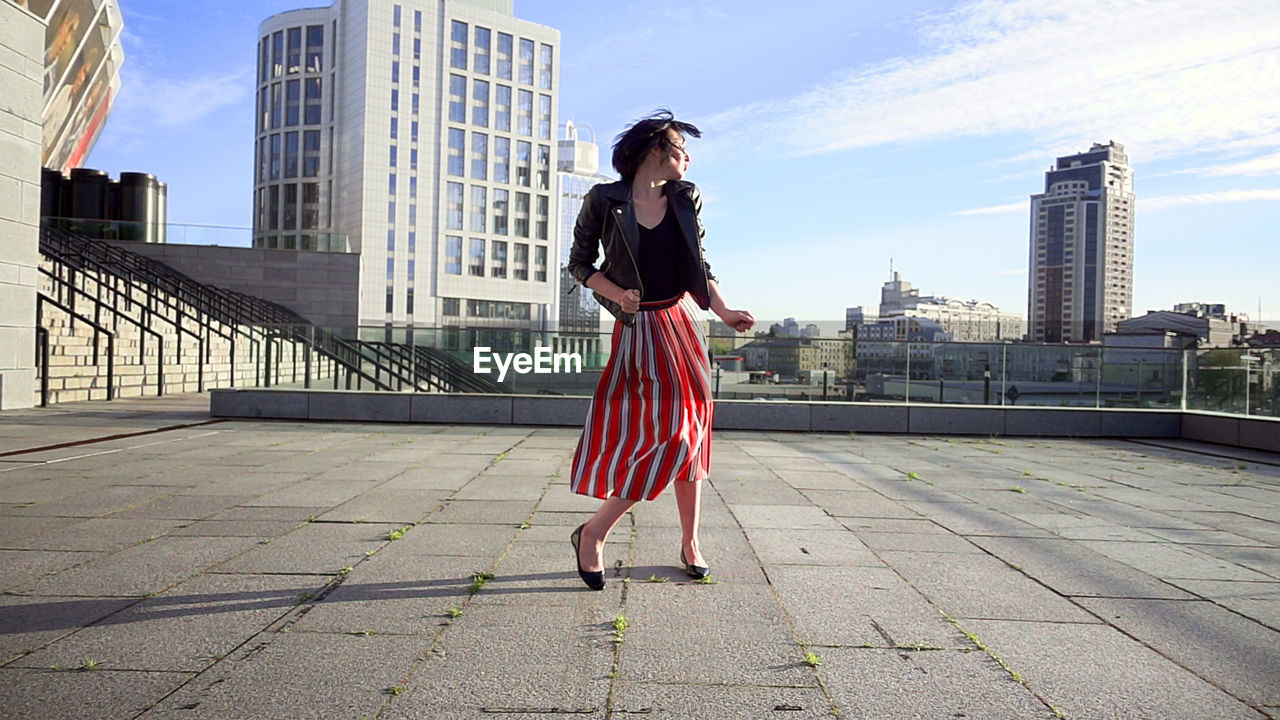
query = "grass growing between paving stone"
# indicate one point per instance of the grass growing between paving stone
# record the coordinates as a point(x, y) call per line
point(1001, 662)
point(399, 532)
point(478, 581)
point(620, 625)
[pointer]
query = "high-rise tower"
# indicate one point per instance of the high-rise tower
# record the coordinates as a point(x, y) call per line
point(423, 131)
point(1081, 261)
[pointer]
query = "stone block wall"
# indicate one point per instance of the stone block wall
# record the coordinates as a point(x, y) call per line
point(21, 69)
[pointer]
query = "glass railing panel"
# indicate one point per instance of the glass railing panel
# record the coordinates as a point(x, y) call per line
point(191, 234)
point(1234, 380)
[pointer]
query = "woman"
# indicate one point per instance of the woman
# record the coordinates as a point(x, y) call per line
point(650, 420)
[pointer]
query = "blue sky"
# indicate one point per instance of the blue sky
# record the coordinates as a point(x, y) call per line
point(840, 135)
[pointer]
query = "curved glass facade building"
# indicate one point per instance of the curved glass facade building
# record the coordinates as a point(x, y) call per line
point(421, 133)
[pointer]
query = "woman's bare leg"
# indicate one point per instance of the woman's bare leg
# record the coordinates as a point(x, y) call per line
point(689, 503)
point(596, 531)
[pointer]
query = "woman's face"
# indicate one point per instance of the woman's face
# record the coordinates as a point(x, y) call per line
point(676, 157)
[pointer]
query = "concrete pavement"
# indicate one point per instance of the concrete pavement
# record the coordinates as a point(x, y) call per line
point(255, 569)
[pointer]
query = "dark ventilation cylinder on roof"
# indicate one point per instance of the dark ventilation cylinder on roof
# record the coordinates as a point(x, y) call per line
point(90, 194)
point(139, 210)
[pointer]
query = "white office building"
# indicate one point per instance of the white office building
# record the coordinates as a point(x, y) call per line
point(421, 133)
point(577, 314)
point(961, 320)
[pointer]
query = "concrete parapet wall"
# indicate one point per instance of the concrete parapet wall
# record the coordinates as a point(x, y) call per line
point(1254, 433)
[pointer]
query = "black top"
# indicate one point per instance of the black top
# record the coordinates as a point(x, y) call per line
point(662, 264)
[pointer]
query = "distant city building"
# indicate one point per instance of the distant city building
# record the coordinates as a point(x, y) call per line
point(421, 130)
point(1080, 284)
point(855, 316)
point(960, 321)
point(1187, 325)
point(1209, 310)
point(577, 171)
point(82, 60)
point(787, 328)
point(793, 357)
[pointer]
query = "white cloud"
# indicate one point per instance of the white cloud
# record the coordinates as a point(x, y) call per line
point(1262, 165)
point(1019, 271)
point(998, 209)
point(1170, 77)
point(148, 101)
point(1225, 196)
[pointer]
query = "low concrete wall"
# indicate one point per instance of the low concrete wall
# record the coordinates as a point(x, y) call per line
point(752, 415)
point(321, 287)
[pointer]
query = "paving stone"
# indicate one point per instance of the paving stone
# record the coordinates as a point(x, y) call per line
point(787, 516)
point(13, 530)
point(22, 567)
point(863, 503)
point(99, 535)
point(508, 661)
point(719, 702)
point(980, 586)
point(810, 547)
point(312, 493)
point(395, 594)
point(386, 506)
point(29, 622)
point(1071, 569)
point(186, 628)
point(656, 551)
point(499, 487)
point(94, 503)
point(313, 548)
point(857, 606)
point(919, 542)
point(891, 684)
point(1095, 671)
point(285, 675)
point(73, 694)
point(431, 538)
point(1257, 601)
point(1168, 561)
point(722, 634)
point(140, 569)
point(506, 512)
point(1234, 653)
point(183, 506)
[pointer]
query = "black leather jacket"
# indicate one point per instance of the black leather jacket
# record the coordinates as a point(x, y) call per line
point(608, 217)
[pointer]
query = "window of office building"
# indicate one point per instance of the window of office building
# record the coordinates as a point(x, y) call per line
point(277, 54)
point(273, 207)
point(504, 56)
point(264, 59)
point(289, 204)
point(480, 103)
point(453, 255)
point(522, 215)
point(480, 61)
point(502, 159)
point(264, 108)
point(291, 154)
point(500, 211)
point(544, 67)
point(544, 167)
point(499, 269)
point(520, 262)
point(275, 157)
point(457, 147)
point(526, 61)
point(453, 206)
point(295, 50)
point(523, 150)
point(315, 48)
point(457, 98)
point(502, 108)
point(544, 117)
point(450, 307)
point(475, 258)
point(395, 101)
point(310, 206)
point(524, 112)
point(479, 156)
point(314, 95)
point(540, 263)
point(479, 209)
point(458, 46)
point(311, 153)
point(292, 90)
point(541, 216)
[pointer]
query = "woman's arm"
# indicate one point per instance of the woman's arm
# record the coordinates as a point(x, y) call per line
point(739, 320)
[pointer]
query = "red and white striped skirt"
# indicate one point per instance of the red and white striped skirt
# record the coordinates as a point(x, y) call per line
point(650, 420)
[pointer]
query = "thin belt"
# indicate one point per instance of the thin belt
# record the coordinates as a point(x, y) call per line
point(660, 304)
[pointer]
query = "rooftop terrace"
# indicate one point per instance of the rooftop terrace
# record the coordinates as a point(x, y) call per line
point(160, 563)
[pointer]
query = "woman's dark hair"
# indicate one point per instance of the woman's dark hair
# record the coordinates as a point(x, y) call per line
point(631, 146)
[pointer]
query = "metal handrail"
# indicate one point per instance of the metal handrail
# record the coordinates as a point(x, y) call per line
point(41, 301)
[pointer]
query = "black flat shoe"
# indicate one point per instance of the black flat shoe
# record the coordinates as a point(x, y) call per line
point(594, 580)
point(693, 571)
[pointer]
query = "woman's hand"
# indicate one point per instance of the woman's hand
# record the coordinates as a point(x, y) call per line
point(739, 320)
point(630, 301)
